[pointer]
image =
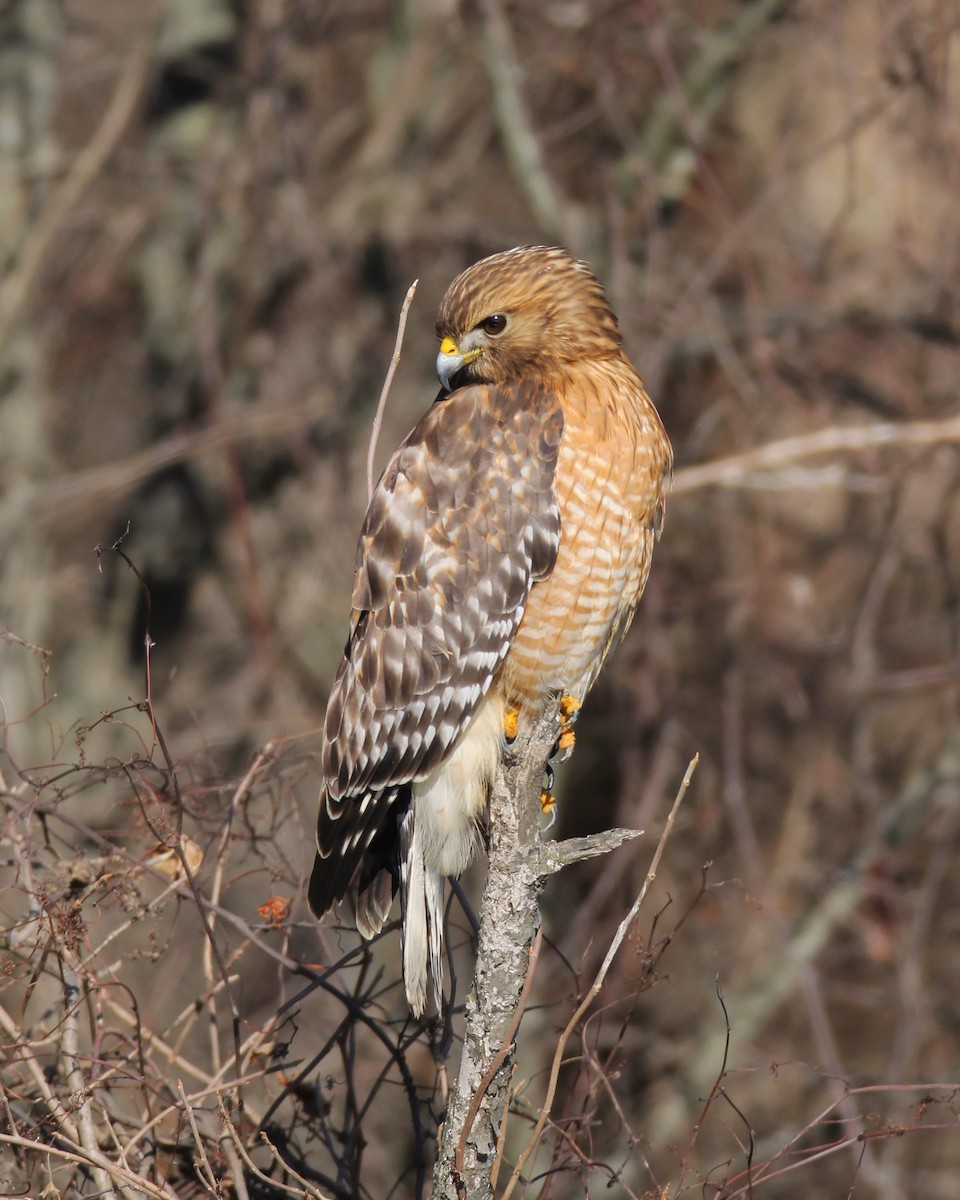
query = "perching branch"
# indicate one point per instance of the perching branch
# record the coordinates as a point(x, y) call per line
point(509, 920)
point(506, 959)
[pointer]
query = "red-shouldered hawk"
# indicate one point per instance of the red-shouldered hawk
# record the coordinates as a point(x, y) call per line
point(503, 554)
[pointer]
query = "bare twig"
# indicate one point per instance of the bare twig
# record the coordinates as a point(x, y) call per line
point(47, 501)
point(747, 469)
point(75, 1077)
point(274, 1185)
point(308, 1189)
point(557, 855)
point(54, 1104)
point(232, 1152)
point(216, 891)
point(77, 1155)
point(792, 1157)
point(387, 383)
point(202, 1162)
point(759, 996)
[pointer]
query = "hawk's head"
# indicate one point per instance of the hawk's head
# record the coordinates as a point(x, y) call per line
point(532, 310)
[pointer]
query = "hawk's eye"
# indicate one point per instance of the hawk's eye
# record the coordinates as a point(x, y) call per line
point(495, 324)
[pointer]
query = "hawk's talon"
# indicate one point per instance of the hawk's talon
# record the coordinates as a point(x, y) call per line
point(548, 801)
point(569, 708)
point(511, 724)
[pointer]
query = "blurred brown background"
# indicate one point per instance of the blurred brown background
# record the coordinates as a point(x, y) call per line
point(210, 215)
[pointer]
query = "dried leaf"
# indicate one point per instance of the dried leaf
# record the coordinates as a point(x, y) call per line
point(166, 860)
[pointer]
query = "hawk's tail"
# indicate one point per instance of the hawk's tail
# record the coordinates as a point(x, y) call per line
point(421, 902)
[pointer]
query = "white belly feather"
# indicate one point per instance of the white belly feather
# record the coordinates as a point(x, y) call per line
point(448, 805)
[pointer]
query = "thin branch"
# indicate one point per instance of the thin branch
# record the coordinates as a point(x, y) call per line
point(214, 1089)
point(743, 470)
point(47, 501)
point(756, 998)
point(557, 855)
point(308, 1188)
point(273, 1185)
point(55, 1105)
point(387, 383)
point(509, 920)
point(202, 1162)
point(216, 891)
point(75, 1078)
point(76, 1155)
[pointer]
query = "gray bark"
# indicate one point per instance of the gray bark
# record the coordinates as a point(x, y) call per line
point(509, 921)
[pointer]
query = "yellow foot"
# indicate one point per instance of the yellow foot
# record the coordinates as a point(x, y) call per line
point(511, 723)
point(548, 804)
point(548, 801)
point(569, 707)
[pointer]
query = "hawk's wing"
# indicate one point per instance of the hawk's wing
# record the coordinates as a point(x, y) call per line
point(463, 521)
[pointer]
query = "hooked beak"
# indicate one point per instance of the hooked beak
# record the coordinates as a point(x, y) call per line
point(452, 359)
point(449, 362)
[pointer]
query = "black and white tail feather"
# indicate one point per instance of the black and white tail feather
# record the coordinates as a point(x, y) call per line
point(421, 902)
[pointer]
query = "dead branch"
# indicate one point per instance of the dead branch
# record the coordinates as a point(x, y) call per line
point(756, 999)
point(48, 501)
point(557, 855)
point(509, 919)
point(750, 468)
point(387, 383)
